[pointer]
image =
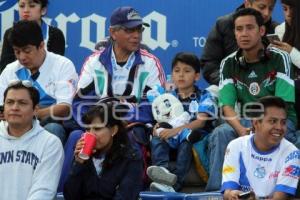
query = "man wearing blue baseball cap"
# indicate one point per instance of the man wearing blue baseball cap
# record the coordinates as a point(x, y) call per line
point(122, 69)
point(127, 17)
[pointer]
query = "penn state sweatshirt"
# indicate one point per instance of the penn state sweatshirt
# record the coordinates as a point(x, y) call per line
point(30, 165)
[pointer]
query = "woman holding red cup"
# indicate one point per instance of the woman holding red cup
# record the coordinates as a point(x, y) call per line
point(114, 170)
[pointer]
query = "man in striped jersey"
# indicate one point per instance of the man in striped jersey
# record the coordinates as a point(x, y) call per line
point(252, 72)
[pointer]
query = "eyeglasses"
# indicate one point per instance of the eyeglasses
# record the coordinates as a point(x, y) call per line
point(25, 83)
point(138, 29)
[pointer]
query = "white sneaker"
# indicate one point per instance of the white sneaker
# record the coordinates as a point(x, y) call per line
point(161, 175)
point(159, 187)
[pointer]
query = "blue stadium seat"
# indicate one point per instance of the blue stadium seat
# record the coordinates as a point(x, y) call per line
point(204, 196)
point(161, 196)
point(69, 153)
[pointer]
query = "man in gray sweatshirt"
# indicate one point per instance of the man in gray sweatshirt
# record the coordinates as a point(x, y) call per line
point(31, 158)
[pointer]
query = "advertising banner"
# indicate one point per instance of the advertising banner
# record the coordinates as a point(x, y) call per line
point(176, 25)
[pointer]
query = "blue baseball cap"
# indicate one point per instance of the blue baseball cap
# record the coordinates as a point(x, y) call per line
point(126, 16)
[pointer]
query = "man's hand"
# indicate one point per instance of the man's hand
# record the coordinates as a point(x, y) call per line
point(234, 121)
point(234, 195)
point(243, 131)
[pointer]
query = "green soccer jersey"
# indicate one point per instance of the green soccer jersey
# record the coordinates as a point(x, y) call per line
point(248, 83)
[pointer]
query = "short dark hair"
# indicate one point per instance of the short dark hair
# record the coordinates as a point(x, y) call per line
point(187, 58)
point(273, 101)
point(44, 3)
point(258, 109)
point(26, 32)
point(32, 91)
point(249, 11)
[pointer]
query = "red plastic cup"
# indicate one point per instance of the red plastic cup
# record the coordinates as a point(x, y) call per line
point(90, 143)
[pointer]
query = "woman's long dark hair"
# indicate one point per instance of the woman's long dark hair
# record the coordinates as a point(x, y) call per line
point(109, 113)
point(292, 32)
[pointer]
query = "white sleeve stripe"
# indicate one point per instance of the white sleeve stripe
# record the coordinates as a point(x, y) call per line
point(221, 69)
point(285, 77)
point(222, 65)
point(286, 59)
point(225, 82)
point(161, 75)
point(96, 53)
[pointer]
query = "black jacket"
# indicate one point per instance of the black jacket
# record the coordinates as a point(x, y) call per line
point(122, 179)
point(219, 44)
point(55, 44)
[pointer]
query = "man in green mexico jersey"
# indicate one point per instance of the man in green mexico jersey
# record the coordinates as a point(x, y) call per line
point(252, 72)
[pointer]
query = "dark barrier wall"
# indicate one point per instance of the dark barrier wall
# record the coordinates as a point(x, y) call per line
point(176, 25)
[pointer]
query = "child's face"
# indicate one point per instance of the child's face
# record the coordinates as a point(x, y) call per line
point(184, 76)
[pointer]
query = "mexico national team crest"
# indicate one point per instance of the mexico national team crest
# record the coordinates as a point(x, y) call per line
point(254, 88)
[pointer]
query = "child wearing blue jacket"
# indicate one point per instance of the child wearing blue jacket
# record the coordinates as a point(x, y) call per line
point(202, 108)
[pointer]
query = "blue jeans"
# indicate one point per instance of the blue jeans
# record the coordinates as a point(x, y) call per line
point(160, 150)
point(218, 142)
point(56, 129)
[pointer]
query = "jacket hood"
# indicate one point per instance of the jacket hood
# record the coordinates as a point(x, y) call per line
point(36, 129)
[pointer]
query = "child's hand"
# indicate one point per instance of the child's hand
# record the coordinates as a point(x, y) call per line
point(154, 132)
point(167, 133)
